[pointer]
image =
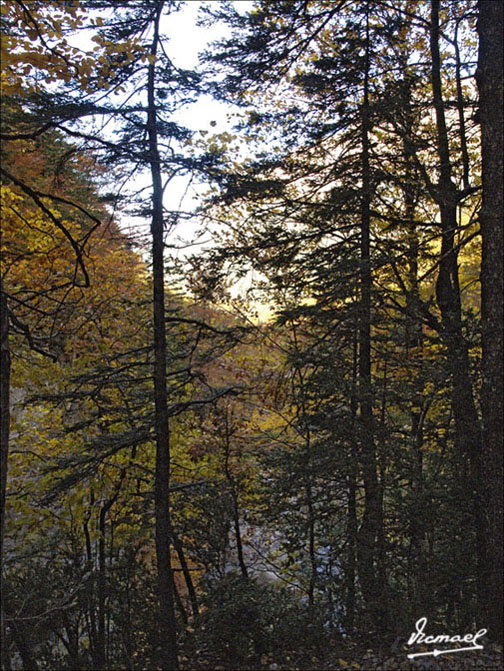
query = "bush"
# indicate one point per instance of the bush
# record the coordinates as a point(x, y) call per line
point(247, 625)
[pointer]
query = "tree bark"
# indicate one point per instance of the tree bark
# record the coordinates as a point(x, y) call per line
point(185, 570)
point(168, 655)
point(234, 496)
point(414, 355)
point(100, 648)
point(350, 602)
point(371, 583)
point(5, 362)
point(467, 423)
point(307, 477)
point(23, 644)
point(489, 76)
point(90, 596)
point(467, 426)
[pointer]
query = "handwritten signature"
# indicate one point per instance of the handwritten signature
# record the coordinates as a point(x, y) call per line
point(419, 636)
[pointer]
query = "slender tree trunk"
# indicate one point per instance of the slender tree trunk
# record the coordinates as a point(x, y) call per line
point(90, 592)
point(490, 67)
point(307, 475)
point(371, 584)
point(234, 496)
point(185, 570)
point(352, 499)
point(72, 642)
point(100, 648)
point(414, 355)
point(179, 603)
point(311, 538)
point(5, 362)
point(237, 530)
point(169, 656)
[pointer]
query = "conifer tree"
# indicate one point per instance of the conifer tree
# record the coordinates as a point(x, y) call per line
point(490, 68)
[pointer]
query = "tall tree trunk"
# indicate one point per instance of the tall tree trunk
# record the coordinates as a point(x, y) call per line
point(168, 655)
point(467, 426)
point(371, 583)
point(490, 66)
point(5, 362)
point(467, 423)
point(352, 499)
point(414, 355)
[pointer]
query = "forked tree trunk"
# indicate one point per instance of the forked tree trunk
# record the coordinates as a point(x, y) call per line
point(490, 66)
point(467, 423)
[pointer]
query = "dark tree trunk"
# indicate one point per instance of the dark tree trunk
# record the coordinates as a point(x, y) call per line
point(23, 644)
point(467, 426)
point(100, 648)
point(185, 570)
point(307, 479)
point(352, 500)
point(490, 67)
point(234, 497)
point(4, 444)
point(168, 634)
point(237, 530)
point(90, 596)
point(371, 583)
point(311, 535)
point(4, 405)
point(102, 576)
point(179, 603)
point(467, 423)
point(414, 355)
point(72, 644)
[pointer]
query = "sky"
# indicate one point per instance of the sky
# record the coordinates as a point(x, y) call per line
point(186, 41)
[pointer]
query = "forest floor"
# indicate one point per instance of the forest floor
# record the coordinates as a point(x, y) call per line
point(354, 658)
point(488, 659)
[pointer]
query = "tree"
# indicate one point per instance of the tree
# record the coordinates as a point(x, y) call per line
point(490, 64)
point(361, 109)
point(163, 520)
point(37, 309)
